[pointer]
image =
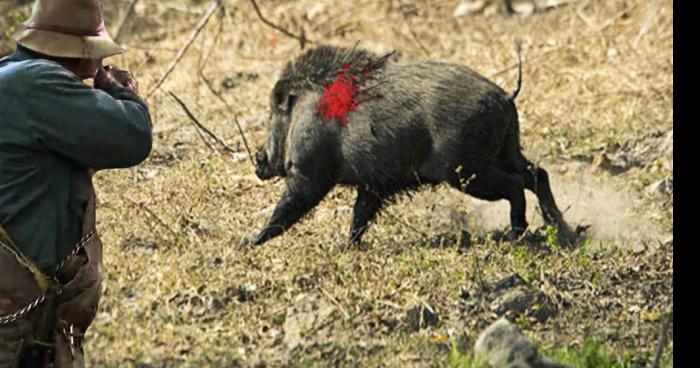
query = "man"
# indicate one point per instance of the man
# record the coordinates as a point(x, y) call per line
point(55, 132)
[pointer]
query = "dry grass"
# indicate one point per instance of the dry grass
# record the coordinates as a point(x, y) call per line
point(180, 290)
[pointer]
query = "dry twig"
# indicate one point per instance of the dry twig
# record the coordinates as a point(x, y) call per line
point(218, 95)
point(202, 22)
point(143, 207)
point(301, 38)
point(129, 12)
point(410, 29)
point(201, 126)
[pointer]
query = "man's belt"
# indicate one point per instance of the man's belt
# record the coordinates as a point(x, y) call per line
point(46, 284)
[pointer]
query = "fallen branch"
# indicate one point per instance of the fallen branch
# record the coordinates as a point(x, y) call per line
point(196, 125)
point(129, 12)
point(617, 17)
point(597, 28)
point(235, 117)
point(202, 22)
point(203, 63)
point(410, 29)
point(646, 25)
point(301, 38)
point(203, 128)
point(143, 207)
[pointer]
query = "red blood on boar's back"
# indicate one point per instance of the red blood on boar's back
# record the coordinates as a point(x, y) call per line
point(343, 95)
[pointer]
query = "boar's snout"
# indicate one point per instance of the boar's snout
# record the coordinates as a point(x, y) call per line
point(263, 169)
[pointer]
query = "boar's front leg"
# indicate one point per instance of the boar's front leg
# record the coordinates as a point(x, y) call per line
point(302, 194)
point(367, 205)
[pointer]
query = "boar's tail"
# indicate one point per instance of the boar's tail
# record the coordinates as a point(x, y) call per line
point(518, 47)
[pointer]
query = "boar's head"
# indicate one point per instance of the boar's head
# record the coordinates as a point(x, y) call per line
point(270, 158)
point(310, 72)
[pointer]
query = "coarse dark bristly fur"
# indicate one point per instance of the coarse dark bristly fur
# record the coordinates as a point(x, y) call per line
point(435, 122)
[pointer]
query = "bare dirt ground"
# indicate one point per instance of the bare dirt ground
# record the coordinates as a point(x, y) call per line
point(596, 111)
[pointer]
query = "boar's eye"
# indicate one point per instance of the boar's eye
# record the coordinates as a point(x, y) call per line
point(285, 105)
point(291, 100)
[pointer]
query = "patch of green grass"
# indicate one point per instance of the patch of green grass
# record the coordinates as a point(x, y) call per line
point(551, 232)
point(526, 263)
point(458, 359)
point(307, 363)
point(592, 354)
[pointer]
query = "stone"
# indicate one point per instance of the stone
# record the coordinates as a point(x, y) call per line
point(502, 345)
point(470, 7)
point(512, 296)
point(660, 188)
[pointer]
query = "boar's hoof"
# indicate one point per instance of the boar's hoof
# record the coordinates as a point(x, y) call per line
point(516, 233)
point(253, 238)
point(569, 238)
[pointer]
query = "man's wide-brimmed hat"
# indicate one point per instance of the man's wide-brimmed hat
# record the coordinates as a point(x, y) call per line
point(67, 28)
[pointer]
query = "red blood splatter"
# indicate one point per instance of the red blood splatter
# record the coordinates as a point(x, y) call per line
point(342, 96)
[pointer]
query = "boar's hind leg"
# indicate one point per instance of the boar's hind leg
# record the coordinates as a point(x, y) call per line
point(300, 196)
point(494, 184)
point(537, 181)
point(367, 205)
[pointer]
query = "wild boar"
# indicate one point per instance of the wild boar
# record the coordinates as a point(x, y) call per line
point(406, 125)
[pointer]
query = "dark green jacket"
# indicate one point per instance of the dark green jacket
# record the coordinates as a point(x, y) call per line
point(52, 128)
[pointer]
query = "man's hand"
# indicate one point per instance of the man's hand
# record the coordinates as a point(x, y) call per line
point(109, 76)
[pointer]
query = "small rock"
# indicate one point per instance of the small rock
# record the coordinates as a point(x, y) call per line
point(492, 10)
point(465, 8)
point(238, 156)
point(515, 300)
point(660, 188)
point(316, 9)
point(305, 315)
point(564, 144)
point(601, 162)
point(508, 282)
point(612, 52)
point(502, 345)
point(668, 241)
point(667, 145)
point(217, 304)
point(525, 8)
point(513, 296)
